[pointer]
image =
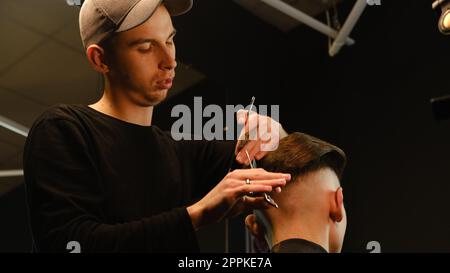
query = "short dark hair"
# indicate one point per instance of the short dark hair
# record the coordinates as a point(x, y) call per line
point(299, 154)
point(107, 43)
point(108, 46)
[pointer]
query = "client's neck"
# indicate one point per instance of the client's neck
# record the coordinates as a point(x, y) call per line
point(313, 229)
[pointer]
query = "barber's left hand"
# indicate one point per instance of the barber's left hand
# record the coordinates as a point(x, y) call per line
point(260, 135)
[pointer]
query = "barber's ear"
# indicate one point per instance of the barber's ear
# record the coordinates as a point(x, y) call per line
point(337, 206)
point(96, 57)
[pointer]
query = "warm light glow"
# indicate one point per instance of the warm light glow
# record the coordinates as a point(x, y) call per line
point(446, 21)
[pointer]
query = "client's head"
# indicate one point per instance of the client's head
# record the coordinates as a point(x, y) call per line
point(311, 206)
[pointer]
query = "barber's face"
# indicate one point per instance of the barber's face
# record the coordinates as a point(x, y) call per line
point(144, 59)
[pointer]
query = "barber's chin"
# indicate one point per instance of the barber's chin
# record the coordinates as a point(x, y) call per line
point(163, 93)
point(157, 96)
point(159, 92)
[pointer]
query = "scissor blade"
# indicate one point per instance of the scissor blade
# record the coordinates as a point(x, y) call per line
point(249, 160)
point(270, 200)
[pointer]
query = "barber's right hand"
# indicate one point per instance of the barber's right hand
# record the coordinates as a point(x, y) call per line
point(229, 197)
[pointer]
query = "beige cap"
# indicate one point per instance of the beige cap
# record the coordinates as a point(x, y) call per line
point(100, 18)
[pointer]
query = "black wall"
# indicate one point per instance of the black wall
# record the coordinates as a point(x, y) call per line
point(15, 235)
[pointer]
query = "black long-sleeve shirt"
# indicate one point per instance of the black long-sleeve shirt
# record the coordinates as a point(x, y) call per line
point(115, 186)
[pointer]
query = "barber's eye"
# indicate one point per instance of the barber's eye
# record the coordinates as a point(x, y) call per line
point(170, 42)
point(145, 47)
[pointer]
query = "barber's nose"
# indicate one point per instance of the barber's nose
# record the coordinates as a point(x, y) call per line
point(168, 61)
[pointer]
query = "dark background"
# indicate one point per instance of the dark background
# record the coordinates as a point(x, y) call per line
point(372, 100)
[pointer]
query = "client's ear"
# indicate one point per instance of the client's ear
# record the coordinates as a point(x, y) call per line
point(257, 230)
point(337, 205)
point(254, 227)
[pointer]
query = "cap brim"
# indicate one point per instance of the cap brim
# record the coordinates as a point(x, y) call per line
point(178, 7)
point(144, 9)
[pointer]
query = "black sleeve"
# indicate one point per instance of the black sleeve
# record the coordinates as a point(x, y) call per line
point(66, 198)
point(210, 161)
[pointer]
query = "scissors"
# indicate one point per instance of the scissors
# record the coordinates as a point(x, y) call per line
point(245, 141)
point(234, 165)
point(267, 197)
